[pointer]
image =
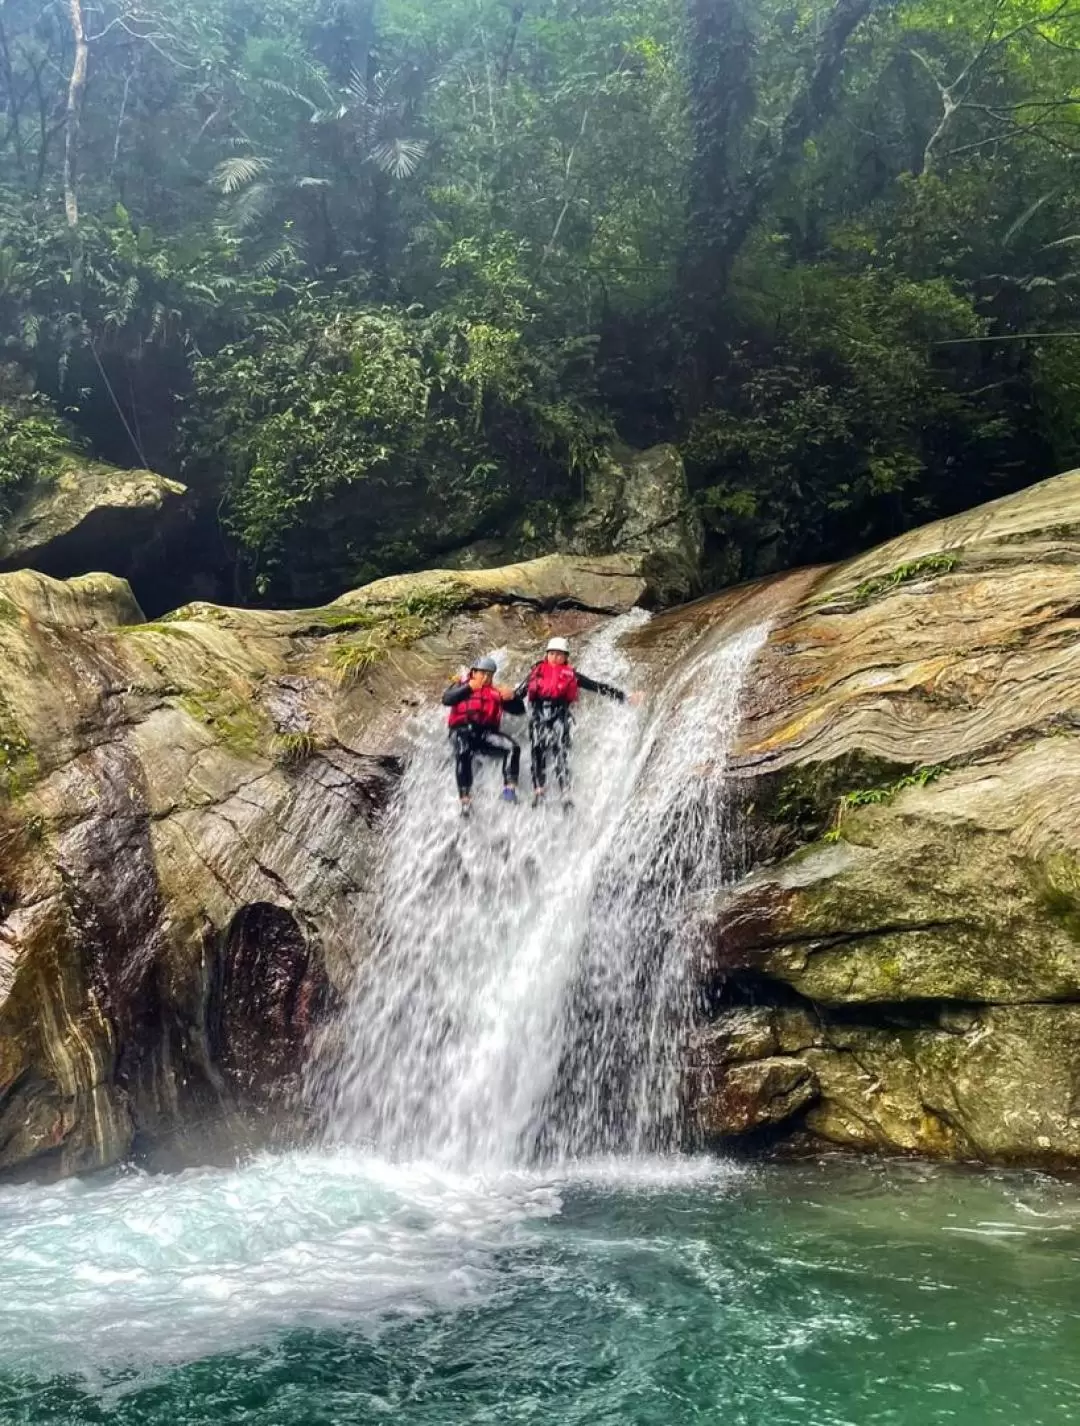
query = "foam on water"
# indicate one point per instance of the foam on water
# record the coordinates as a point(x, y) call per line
point(151, 1270)
point(515, 1033)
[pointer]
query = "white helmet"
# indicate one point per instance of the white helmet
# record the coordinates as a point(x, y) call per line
point(558, 646)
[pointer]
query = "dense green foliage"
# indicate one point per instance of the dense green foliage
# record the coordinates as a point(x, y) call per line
point(33, 445)
point(376, 277)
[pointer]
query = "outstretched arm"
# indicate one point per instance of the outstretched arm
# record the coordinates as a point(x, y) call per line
point(455, 693)
point(605, 690)
point(523, 687)
point(513, 702)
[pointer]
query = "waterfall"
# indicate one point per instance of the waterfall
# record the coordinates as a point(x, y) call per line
point(529, 990)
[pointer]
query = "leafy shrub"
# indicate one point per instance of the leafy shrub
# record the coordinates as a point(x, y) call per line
point(33, 444)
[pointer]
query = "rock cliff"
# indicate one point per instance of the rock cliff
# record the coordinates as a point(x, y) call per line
point(190, 811)
point(188, 820)
point(901, 967)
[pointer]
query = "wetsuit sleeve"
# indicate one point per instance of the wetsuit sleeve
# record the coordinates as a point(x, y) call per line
point(605, 690)
point(455, 693)
point(515, 704)
point(523, 687)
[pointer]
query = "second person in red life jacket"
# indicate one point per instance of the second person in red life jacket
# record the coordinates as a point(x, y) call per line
point(476, 709)
point(552, 687)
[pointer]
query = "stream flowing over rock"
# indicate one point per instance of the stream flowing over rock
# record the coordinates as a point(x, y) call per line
point(191, 813)
point(188, 821)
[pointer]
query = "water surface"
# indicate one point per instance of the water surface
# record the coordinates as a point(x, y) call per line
point(322, 1289)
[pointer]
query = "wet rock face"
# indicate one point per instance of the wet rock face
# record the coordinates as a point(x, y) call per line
point(270, 992)
point(190, 815)
point(910, 765)
point(637, 502)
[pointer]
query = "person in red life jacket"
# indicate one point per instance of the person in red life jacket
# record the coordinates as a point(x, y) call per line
point(552, 687)
point(476, 709)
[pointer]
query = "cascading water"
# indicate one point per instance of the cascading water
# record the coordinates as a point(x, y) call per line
point(526, 1003)
point(529, 989)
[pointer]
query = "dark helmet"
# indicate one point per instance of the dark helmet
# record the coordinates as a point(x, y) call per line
point(484, 665)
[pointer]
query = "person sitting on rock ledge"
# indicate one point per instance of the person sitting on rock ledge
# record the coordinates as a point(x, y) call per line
point(476, 708)
point(552, 687)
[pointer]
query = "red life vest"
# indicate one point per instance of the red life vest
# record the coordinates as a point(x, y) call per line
point(553, 683)
point(482, 709)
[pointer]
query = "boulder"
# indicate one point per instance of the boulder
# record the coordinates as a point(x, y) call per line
point(635, 503)
point(88, 516)
point(739, 1081)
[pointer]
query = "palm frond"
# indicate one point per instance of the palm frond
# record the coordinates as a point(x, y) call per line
point(357, 86)
point(232, 174)
point(329, 116)
point(400, 158)
point(274, 261)
point(276, 86)
point(249, 207)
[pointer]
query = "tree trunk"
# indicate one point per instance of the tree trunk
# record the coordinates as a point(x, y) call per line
point(76, 89)
point(728, 197)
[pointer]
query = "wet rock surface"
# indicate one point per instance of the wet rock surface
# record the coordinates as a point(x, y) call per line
point(189, 832)
point(909, 766)
point(190, 813)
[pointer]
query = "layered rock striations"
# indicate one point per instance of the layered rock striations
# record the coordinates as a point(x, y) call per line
point(900, 967)
point(189, 815)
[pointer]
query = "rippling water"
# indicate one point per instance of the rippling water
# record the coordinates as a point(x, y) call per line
point(320, 1290)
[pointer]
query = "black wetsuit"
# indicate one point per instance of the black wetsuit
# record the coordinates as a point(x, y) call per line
point(551, 724)
point(471, 740)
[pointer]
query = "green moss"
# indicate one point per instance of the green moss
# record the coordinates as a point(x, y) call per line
point(1057, 892)
point(156, 626)
point(19, 766)
point(871, 589)
point(9, 613)
point(204, 614)
point(802, 800)
point(395, 626)
point(352, 660)
point(235, 723)
point(435, 604)
point(343, 623)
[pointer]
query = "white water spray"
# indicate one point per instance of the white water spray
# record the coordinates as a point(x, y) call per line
point(529, 989)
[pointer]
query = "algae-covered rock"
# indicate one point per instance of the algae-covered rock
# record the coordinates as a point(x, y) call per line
point(637, 502)
point(997, 1083)
point(909, 765)
point(189, 822)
